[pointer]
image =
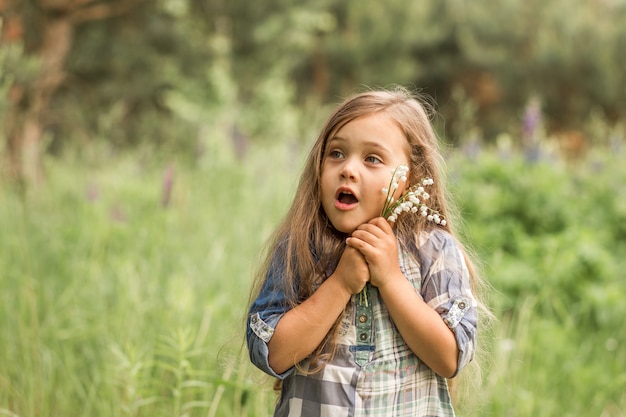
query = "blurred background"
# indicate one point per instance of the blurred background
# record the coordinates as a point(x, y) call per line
point(149, 147)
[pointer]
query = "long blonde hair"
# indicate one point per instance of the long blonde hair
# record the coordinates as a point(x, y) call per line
point(308, 244)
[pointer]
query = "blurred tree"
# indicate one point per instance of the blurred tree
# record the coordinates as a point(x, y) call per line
point(121, 70)
point(568, 58)
point(164, 71)
point(52, 25)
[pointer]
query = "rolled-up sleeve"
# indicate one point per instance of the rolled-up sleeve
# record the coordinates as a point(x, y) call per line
point(257, 342)
point(263, 316)
point(447, 289)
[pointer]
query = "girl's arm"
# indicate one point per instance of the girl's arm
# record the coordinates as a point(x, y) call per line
point(300, 331)
point(421, 327)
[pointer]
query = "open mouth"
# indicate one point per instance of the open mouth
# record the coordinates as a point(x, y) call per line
point(345, 197)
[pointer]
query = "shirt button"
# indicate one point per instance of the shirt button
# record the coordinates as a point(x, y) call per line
point(362, 318)
point(462, 305)
point(363, 336)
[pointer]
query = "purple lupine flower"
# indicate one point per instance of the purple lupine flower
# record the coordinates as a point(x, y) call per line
point(168, 182)
point(532, 119)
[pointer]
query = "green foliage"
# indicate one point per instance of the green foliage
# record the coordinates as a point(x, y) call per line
point(482, 61)
point(556, 216)
point(553, 51)
point(120, 70)
point(121, 299)
point(550, 238)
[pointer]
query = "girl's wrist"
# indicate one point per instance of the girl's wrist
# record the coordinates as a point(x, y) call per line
point(389, 280)
point(344, 291)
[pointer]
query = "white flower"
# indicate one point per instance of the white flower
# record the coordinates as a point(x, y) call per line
point(411, 200)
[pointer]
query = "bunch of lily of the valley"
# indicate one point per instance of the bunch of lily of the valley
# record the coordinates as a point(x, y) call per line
point(412, 200)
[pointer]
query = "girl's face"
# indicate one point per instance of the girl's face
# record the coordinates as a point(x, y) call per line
point(357, 164)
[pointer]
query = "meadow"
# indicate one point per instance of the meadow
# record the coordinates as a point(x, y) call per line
point(125, 280)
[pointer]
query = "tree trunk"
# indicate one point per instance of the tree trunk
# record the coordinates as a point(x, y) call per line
point(57, 34)
point(29, 104)
point(321, 77)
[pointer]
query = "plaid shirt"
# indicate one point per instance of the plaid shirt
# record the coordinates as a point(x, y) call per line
point(374, 372)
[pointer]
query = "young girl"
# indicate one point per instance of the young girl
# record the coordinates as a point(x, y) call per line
point(357, 315)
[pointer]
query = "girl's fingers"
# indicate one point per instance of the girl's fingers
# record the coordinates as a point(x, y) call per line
point(355, 243)
point(365, 232)
point(382, 224)
point(370, 239)
point(376, 229)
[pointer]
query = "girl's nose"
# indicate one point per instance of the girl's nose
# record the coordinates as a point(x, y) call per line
point(349, 170)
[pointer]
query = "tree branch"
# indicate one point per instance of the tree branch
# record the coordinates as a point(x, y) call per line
point(89, 10)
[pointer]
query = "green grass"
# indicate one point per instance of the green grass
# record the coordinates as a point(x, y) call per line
point(114, 305)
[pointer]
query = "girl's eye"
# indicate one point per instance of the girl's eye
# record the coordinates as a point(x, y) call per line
point(335, 154)
point(373, 160)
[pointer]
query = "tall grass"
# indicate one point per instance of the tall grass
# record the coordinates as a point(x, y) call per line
point(124, 297)
point(114, 304)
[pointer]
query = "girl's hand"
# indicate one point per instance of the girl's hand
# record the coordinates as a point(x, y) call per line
point(421, 326)
point(300, 331)
point(376, 241)
point(352, 271)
